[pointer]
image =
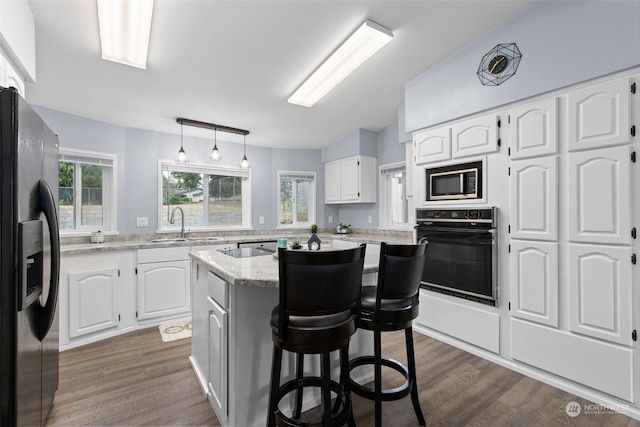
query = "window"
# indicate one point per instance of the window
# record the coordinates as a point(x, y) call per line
point(394, 211)
point(210, 197)
point(297, 195)
point(87, 191)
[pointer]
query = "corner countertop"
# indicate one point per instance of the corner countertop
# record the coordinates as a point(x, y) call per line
point(262, 271)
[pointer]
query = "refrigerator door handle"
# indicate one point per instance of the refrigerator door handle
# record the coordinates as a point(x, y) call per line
point(47, 204)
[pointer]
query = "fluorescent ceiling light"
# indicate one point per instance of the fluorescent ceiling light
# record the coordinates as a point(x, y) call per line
point(363, 43)
point(125, 26)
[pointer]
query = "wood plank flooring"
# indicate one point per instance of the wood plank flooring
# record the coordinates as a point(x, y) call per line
point(137, 380)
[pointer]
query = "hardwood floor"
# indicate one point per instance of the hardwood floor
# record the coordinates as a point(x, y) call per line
point(137, 380)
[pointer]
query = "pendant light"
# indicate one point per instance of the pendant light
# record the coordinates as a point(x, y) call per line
point(215, 153)
point(244, 163)
point(182, 155)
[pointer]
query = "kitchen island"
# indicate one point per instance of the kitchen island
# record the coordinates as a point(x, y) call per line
point(232, 299)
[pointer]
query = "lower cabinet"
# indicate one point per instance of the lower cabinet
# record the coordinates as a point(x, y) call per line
point(164, 287)
point(97, 296)
point(93, 301)
point(217, 386)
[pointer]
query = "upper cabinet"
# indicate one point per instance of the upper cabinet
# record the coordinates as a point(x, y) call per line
point(533, 129)
point(432, 145)
point(465, 138)
point(599, 115)
point(18, 46)
point(474, 136)
point(350, 180)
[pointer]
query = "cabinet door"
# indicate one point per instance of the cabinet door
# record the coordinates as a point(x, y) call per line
point(408, 158)
point(533, 129)
point(599, 115)
point(600, 292)
point(164, 289)
point(534, 281)
point(534, 199)
point(432, 145)
point(92, 301)
point(350, 179)
point(599, 193)
point(218, 358)
point(332, 181)
point(474, 136)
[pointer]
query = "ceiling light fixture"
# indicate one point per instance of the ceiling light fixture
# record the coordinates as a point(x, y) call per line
point(215, 153)
point(244, 163)
point(125, 26)
point(182, 155)
point(363, 43)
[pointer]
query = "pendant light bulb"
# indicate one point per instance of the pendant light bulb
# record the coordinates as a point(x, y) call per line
point(215, 153)
point(244, 163)
point(182, 155)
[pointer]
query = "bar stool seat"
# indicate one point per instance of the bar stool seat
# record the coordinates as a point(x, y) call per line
point(391, 306)
point(317, 314)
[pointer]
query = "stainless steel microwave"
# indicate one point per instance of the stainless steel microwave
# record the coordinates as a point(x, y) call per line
point(454, 182)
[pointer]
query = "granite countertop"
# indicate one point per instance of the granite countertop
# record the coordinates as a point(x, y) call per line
point(262, 271)
point(136, 242)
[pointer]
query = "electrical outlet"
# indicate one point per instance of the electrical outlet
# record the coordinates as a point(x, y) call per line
point(142, 221)
point(330, 219)
point(370, 219)
point(261, 220)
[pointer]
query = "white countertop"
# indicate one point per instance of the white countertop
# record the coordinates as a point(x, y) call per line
point(262, 271)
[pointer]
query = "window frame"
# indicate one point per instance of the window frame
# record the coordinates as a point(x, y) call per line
point(385, 211)
point(109, 163)
point(205, 169)
point(311, 198)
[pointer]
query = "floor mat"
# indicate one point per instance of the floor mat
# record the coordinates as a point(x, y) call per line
point(175, 330)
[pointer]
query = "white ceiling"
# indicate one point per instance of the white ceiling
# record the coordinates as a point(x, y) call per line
point(235, 63)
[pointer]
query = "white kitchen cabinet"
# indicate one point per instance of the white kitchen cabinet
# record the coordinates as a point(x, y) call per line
point(218, 351)
point(534, 199)
point(534, 281)
point(599, 196)
point(332, 182)
point(350, 180)
point(432, 145)
point(599, 115)
point(600, 291)
point(93, 301)
point(533, 129)
point(164, 287)
point(97, 296)
point(408, 157)
point(474, 136)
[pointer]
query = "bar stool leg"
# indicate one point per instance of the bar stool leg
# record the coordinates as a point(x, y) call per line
point(325, 403)
point(411, 361)
point(299, 376)
point(276, 366)
point(377, 354)
point(344, 377)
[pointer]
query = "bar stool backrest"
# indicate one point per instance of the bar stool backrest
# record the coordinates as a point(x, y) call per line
point(400, 271)
point(317, 283)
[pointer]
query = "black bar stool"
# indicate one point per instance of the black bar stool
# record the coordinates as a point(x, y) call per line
point(317, 314)
point(392, 306)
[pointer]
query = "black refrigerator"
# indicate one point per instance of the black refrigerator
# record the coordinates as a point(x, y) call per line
point(29, 263)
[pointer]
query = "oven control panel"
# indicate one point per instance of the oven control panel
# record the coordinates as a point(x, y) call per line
point(484, 215)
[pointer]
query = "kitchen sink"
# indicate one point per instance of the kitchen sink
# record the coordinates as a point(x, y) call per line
point(186, 239)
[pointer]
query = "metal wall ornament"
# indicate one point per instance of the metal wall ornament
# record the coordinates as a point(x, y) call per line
point(499, 64)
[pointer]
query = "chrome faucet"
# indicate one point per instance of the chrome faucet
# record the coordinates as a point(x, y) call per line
point(172, 219)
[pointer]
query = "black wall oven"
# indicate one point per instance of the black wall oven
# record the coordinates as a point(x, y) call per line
point(461, 258)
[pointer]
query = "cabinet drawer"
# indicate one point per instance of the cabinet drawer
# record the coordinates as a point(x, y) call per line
point(163, 254)
point(218, 289)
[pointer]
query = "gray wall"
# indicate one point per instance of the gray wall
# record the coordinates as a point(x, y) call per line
point(562, 43)
point(138, 152)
